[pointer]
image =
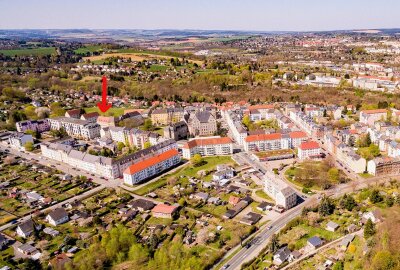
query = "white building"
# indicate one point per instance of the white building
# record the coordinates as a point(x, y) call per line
point(369, 117)
point(283, 195)
point(211, 146)
point(145, 169)
point(76, 127)
point(18, 139)
point(309, 150)
point(35, 125)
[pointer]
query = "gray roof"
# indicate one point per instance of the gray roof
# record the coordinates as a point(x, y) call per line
point(315, 241)
point(76, 154)
point(58, 214)
point(27, 226)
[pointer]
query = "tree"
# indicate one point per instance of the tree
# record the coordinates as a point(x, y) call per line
point(333, 174)
point(326, 206)
point(146, 145)
point(375, 197)
point(148, 125)
point(274, 245)
point(368, 139)
point(29, 146)
point(347, 202)
point(369, 229)
point(120, 146)
point(197, 160)
point(338, 266)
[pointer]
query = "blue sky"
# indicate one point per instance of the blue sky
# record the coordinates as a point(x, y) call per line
point(263, 15)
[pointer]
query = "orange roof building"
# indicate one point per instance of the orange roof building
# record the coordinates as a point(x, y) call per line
point(309, 149)
point(274, 141)
point(145, 169)
point(212, 146)
point(164, 210)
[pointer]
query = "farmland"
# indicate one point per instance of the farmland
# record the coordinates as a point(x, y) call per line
point(29, 51)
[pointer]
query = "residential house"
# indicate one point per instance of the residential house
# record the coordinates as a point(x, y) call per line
point(277, 189)
point(332, 226)
point(40, 125)
point(309, 150)
point(369, 117)
point(314, 242)
point(164, 211)
point(26, 228)
point(18, 140)
point(176, 131)
point(57, 216)
point(282, 255)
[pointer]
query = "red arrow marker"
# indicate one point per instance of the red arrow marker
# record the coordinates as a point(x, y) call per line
point(103, 105)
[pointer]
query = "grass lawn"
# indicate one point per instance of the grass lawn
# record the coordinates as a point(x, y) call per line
point(264, 195)
point(88, 49)
point(365, 175)
point(29, 51)
point(111, 112)
point(158, 68)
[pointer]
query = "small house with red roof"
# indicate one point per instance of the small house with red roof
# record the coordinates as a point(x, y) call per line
point(164, 210)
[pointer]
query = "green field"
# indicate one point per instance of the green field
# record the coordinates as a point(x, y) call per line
point(29, 51)
point(111, 112)
point(158, 68)
point(88, 49)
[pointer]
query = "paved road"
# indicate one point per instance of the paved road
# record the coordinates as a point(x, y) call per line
point(261, 237)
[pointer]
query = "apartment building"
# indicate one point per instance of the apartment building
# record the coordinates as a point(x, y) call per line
point(145, 169)
point(274, 141)
point(19, 139)
point(107, 167)
point(369, 117)
point(212, 146)
point(176, 131)
point(346, 155)
point(40, 126)
point(76, 127)
point(306, 122)
point(202, 123)
point(90, 117)
point(277, 189)
point(234, 120)
point(309, 150)
point(384, 166)
point(163, 117)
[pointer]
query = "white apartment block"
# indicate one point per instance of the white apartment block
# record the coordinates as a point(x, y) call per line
point(237, 131)
point(369, 117)
point(107, 167)
point(308, 150)
point(35, 125)
point(274, 141)
point(212, 146)
point(76, 127)
point(277, 189)
point(145, 169)
point(18, 139)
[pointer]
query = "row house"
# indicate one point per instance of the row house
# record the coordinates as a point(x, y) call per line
point(163, 117)
point(40, 126)
point(212, 146)
point(345, 154)
point(277, 189)
point(76, 127)
point(234, 120)
point(274, 141)
point(307, 123)
point(145, 169)
point(384, 166)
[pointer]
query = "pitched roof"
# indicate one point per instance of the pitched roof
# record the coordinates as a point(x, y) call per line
point(27, 226)
point(309, 145)
point(164, 208)
point(374, 111)
point(264, 137)
point(90, 115)
point(206, 141)
point(74, 112)
point(58, 214)
point(142, 165)
point(261, 107)
point(297, 134)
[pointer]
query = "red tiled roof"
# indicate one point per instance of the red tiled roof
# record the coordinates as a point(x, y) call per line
point(140, 166)
point(374, 111)
point(261, 107)
point(297, 134)
point(206, 141)
point(309, 145)
point(264, 137)
point(74, 112)
point(90, 115)
point(164, 209)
